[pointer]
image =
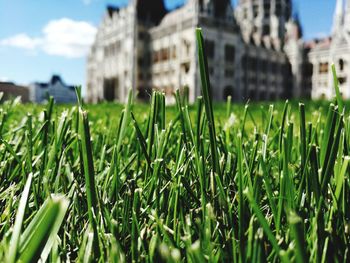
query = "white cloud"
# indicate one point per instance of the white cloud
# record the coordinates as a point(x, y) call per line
point(62, 37)
point(21, 41)
point(68, 38)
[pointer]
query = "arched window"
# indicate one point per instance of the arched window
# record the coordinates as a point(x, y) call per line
point(341, 64)
point(111, 89)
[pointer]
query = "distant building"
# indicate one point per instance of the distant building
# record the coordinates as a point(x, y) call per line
point(254, 52)
point(11, 91)
point(145, 47)
point(334, 49)
point(62, 93)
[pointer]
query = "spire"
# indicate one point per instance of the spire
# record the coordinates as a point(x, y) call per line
point(338, 16)
point(148, 12)
point(347, 13)
point(298, 26)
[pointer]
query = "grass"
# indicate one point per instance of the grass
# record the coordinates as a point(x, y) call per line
point(187, 183)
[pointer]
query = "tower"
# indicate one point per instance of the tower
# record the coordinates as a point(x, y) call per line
point(338, 19)
point(280, 13)
point(150, 13)
point(293, 47)
point(347, 15)
point(220, 9)
point(264, 18)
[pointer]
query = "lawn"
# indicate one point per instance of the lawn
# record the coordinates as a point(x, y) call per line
point(201, 183)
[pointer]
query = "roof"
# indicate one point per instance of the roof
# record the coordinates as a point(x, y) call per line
point(53, 81)
point(112, 9)
point(11, 85)
point(6, 83)
point(173, 16)
point(12, 90)
point(322, 43)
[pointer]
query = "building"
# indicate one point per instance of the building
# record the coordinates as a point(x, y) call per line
point(10, 90)
point(255, 51)
point(62, 93)
point(333, 49)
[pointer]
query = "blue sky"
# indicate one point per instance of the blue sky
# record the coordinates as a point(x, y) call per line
point(39, 38)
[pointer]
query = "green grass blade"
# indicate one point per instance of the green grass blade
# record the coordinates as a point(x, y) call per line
point(125, 121)
point(264, 224)
point(87, 158)
point(336, 88)
point(297, 232)
point(205, 87)
point(13, 249)
point(37, 240)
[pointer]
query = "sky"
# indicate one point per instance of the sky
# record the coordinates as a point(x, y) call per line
point(39, 38)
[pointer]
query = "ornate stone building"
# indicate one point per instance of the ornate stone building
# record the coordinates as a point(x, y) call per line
point(333, 49)
point(254, 52)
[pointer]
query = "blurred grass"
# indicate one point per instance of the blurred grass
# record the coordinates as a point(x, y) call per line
point(110, 112)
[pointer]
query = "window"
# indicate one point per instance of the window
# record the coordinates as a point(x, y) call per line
point(174, 52)
point(278, 9)
point(209, 48)
point(117, 46)
point(187, 46)
point(341, 64)
point(229, 53)
point(108, 51)
point(140, 61)
point(252, 63)
point(110, 89)
point(264, 64)
point(164, 54)
point(255, 10)
point(342, 80)
point(245, 14)
point(229, 73)
point(155, 56)
point(185, 67)
point(244, 61)
point(144, 93)
point(267, 7)
point(266, 30)
point(142, 35)
point(274, 67)
point(323, 68)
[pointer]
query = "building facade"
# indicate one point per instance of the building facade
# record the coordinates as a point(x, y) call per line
point(333, 49)
point(11, 90)
point(255, 51)
point(56, 88)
